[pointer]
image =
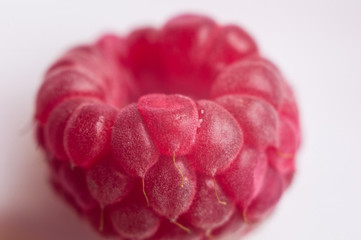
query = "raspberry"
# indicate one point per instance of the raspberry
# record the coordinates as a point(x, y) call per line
point(171, 120)
point(182, 132)
point(87, 133)
point(107, 182)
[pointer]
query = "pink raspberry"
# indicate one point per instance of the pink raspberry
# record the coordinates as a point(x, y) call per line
point(182, 132)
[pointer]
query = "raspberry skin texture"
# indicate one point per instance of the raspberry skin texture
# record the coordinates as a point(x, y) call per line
point(183, 132)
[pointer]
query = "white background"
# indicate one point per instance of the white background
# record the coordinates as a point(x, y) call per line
point(317, 45)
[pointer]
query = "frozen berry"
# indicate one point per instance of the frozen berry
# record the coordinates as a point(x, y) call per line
point(183, 132)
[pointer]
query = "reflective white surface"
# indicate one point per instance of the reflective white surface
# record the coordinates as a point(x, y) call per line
point(317, 45)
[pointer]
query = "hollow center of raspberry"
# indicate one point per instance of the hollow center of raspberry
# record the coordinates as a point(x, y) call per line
point(171, 76)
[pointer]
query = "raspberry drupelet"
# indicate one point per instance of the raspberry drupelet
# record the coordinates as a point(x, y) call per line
point(181, 132)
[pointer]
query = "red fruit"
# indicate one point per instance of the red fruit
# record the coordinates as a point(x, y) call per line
point(132, 146)
point(107, 182)
point(170, 231)
point(231, 44)
point(219, 139)
point(87, 133)
point(257, 118)
point(100, 219)
point(243, 179)
point(183, 132)
point(111, 47)
point(134, 220)
point(144, 59)
point(184, 44)
point(206, 212)
point(73, 183)
point(251, 77)
point(232, 229)
point(55, 126)
point(59, 87)
point(172, 121)
point(171, 193)
point(265, 201)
